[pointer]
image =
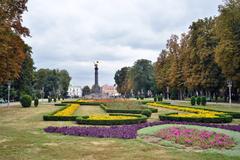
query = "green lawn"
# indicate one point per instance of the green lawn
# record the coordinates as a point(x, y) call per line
point(22, 138)
point(88, 110)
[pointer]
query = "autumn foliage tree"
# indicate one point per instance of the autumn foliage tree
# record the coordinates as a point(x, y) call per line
point(12, 47)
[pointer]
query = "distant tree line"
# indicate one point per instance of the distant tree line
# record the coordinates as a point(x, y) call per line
point(200, 62)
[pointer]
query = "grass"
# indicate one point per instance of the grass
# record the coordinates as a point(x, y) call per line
point(88, 110)
point(22, 138)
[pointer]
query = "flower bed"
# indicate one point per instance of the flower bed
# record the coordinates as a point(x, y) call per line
point(125, 131)
point(195, 137)
point(195, 115)
point(63, 114)
point(111, 119)
point(131, 111)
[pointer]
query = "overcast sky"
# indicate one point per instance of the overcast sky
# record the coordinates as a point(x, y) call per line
point(72, 34)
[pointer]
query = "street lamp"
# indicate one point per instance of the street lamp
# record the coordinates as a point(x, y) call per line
point(9, 88)
point(167, 93)
point(42, 93)
point(229, 83)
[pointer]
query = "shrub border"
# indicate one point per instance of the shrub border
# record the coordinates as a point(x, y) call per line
point(223, 118)
point(51, 117)
point(131, 111)
point(140, 119)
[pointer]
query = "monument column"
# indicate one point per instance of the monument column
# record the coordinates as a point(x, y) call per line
point(96, 88)
point(96, 74)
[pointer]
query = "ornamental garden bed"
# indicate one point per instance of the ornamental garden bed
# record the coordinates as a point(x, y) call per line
point(194, 115)
point(111, 119)
point(196, 137)
point(63, 114)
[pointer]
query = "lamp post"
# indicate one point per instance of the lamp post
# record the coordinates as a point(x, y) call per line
point(9, 88)
point(42, 93)
point(229, 83)
point(167, 93)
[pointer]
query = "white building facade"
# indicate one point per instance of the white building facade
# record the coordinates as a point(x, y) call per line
point(74, 91)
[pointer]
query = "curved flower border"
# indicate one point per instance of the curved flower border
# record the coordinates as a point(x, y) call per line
point(124, 131)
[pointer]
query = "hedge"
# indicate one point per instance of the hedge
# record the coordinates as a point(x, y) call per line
point(85, 120)
point(132, 111)
point(51, 117)
point(61, 104)
point(235, 115)
point(82, 103)
point(221, 119)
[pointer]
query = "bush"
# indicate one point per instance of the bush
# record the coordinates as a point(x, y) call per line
point(198, 100)
point(85, 120)
point(146, 112)
point(155, 99)
point(193, 101)
point(26, 101)
point(52, 117)
point(36, 102)
point(159, 98)
point(141, 97)
point(55, 99)
point(137, 98)
point(49, 99)
point(221, 119)
point(204, 101)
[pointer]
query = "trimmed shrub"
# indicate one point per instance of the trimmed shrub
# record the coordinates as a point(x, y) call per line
point(61, 104)
point(85, 120)
point(55, 99)
point(193, 101)
point(49, 99)
point(26, 101)
point(142, 97)
point(159, 98)
point(221, 119)
point(198, 100)
point(204, 101)
point(51, 117)
point(155, 99)
point(146, 112)
point(36, 102)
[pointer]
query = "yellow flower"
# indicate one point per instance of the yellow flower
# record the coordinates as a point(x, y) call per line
point(194, 112)
point(110, 117)
point(67, 111)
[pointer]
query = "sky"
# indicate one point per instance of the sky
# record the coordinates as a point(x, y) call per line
point(73, 34)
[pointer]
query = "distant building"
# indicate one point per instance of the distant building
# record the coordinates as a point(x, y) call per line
point(110, 91)
point(75, 91)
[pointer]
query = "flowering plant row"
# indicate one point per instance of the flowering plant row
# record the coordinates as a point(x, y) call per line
point(63, 114)
point(195, 137)
point(126, 131)
point(195, 114)
point(67, 111)
point(111, 119)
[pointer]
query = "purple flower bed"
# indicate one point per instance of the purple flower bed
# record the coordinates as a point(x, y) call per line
point(125, 131)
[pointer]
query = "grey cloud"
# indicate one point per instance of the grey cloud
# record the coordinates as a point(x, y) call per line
point(71, 34)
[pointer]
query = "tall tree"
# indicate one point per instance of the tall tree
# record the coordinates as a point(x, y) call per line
point(123, 80)
point(143, 76)
point(86, 90)
point(24, 84)
point(12, 46)
point(228, 32)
